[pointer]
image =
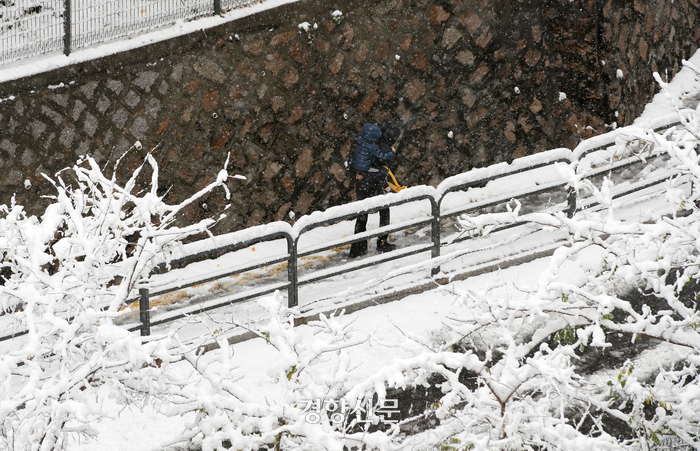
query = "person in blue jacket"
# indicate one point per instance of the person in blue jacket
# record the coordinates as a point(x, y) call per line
point(372, 151)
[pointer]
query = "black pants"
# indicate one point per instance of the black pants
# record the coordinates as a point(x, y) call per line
point(371, 184)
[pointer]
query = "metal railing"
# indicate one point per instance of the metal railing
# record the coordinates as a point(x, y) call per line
point(35, 27)
point(435, 196)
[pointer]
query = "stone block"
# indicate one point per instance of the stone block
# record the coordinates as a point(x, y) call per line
point(139, 128)
point(536, 32)
point(210, 100)
point(337, 63)
point(288, 183)
point(59, 99)
point(67, 136)
point(90, 124)
point(415, 90)
point(115, 86)
point(78, 108)
point(438, 15)
point(468, 97)
point(163, 126)
point(317, 182)
point(38, 128)
point(153, 107)
point(145, 80)
point(266, 134)
point(291, 78)
point(8, 147)
point(303, 163)
point(532, 57)
point(274, 63)
point(509, 132)
point(254, 46)
point(191, 87)
point(383, 50)
point(28, 157)
point(209, 69)
point(176, 73)
point(120, 117)
point(13, 178)
point(303, 203)
point(132, 99)
point(471, 21)
point(82, 149)
point(451, 36)
point(88, 89)
point(272, 169)
point(51, 114)
point(321, 45)
point(623, 37)
point(499, 54)
point(466, 58)
point(643, 49)
point(368, 101)
point(346, 36)
point(282, 38)
point(103, 104)
point(299, 53)
point(360, 54)
point(478, 75)
point(419, 62)
point(163, 88)
point(484, 38)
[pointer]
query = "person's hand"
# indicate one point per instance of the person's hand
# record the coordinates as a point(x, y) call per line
point(394, 149)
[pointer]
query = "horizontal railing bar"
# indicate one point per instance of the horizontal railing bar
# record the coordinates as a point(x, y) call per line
point(14, 335)
point(616, 134)
point(353, 215)
point(621, 164)
point(632, 189)
point(495, 229)
point(229, 248)
point(364, 236)
point(481, 181)
point(383, 258)
point(220, 276)
point(500, 200)
point(233, 299)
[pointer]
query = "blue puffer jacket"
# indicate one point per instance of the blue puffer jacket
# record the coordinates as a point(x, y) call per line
point(366, 148)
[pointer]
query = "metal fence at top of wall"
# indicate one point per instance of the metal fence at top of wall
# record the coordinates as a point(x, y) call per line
point(35, 27)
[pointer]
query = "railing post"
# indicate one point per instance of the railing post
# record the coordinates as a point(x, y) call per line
point(293, 290)
point(145, 310)
point(571, 199)
point(217, 7)
point(67, 27)
point(435, 234)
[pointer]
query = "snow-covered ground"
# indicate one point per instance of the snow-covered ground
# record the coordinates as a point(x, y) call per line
point(145, 428)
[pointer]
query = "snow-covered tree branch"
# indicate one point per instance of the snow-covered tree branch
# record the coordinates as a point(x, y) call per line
point(64, 277)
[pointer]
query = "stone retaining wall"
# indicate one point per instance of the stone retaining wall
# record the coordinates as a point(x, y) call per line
point(472, 82)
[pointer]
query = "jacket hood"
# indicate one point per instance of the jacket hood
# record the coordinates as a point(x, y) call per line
point(390, 131)
point(371, 132)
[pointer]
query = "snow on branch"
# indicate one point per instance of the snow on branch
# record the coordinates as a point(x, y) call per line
point(64, 277)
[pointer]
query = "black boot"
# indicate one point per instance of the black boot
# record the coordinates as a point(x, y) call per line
point(358, 249)
point(384, 246)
